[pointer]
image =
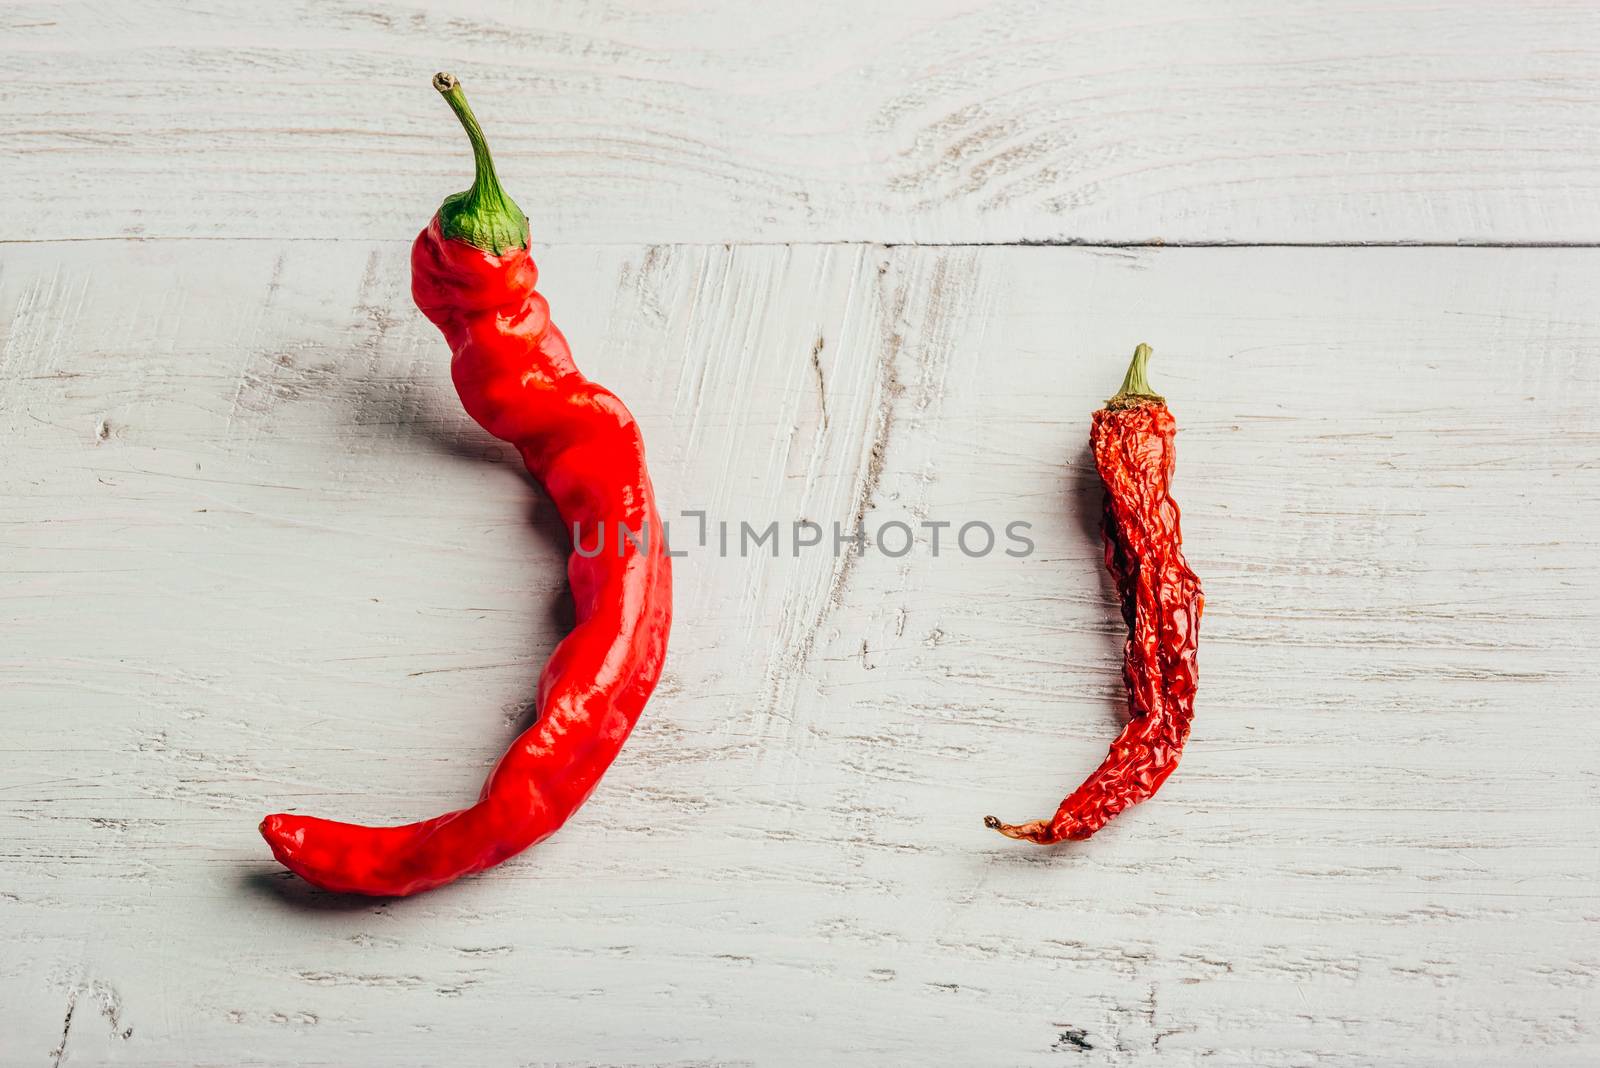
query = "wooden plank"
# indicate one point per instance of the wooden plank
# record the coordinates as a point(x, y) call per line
point(911, 121)
point(255, 557)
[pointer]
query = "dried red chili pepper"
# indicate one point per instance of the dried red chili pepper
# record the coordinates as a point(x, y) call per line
point(473, 277)
point(1161, 604)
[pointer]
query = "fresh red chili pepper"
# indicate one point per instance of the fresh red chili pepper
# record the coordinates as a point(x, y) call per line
point(473, 277)
point(1161, 604)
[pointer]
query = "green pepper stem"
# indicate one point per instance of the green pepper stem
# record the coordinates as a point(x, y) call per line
point(483, 216)
point(1136, 384)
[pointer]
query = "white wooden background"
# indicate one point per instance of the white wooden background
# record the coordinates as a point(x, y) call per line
point(255, 557)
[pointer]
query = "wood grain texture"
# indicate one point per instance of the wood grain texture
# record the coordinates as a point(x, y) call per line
point(907, 121)
point(255, 557)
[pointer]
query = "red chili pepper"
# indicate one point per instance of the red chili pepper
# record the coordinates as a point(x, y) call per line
point(472, 275)
point(1161, 603)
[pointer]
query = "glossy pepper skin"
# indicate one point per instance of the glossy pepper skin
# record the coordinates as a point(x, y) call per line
point(1132, 439)
point(515, 375)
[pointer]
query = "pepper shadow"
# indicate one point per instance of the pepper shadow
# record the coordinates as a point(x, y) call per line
point(430, 417)
point(1086, 500)
point(1083, 497)
point(284, 887)
point(416, 416)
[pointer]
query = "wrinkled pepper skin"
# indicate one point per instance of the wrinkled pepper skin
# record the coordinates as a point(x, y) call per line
point(516, 377)
point(1132, 440)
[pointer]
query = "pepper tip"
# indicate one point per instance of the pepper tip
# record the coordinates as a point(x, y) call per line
point(444, 81)
point(1032, 831)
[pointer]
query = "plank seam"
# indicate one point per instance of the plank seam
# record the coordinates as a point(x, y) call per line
point(1041, 243)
